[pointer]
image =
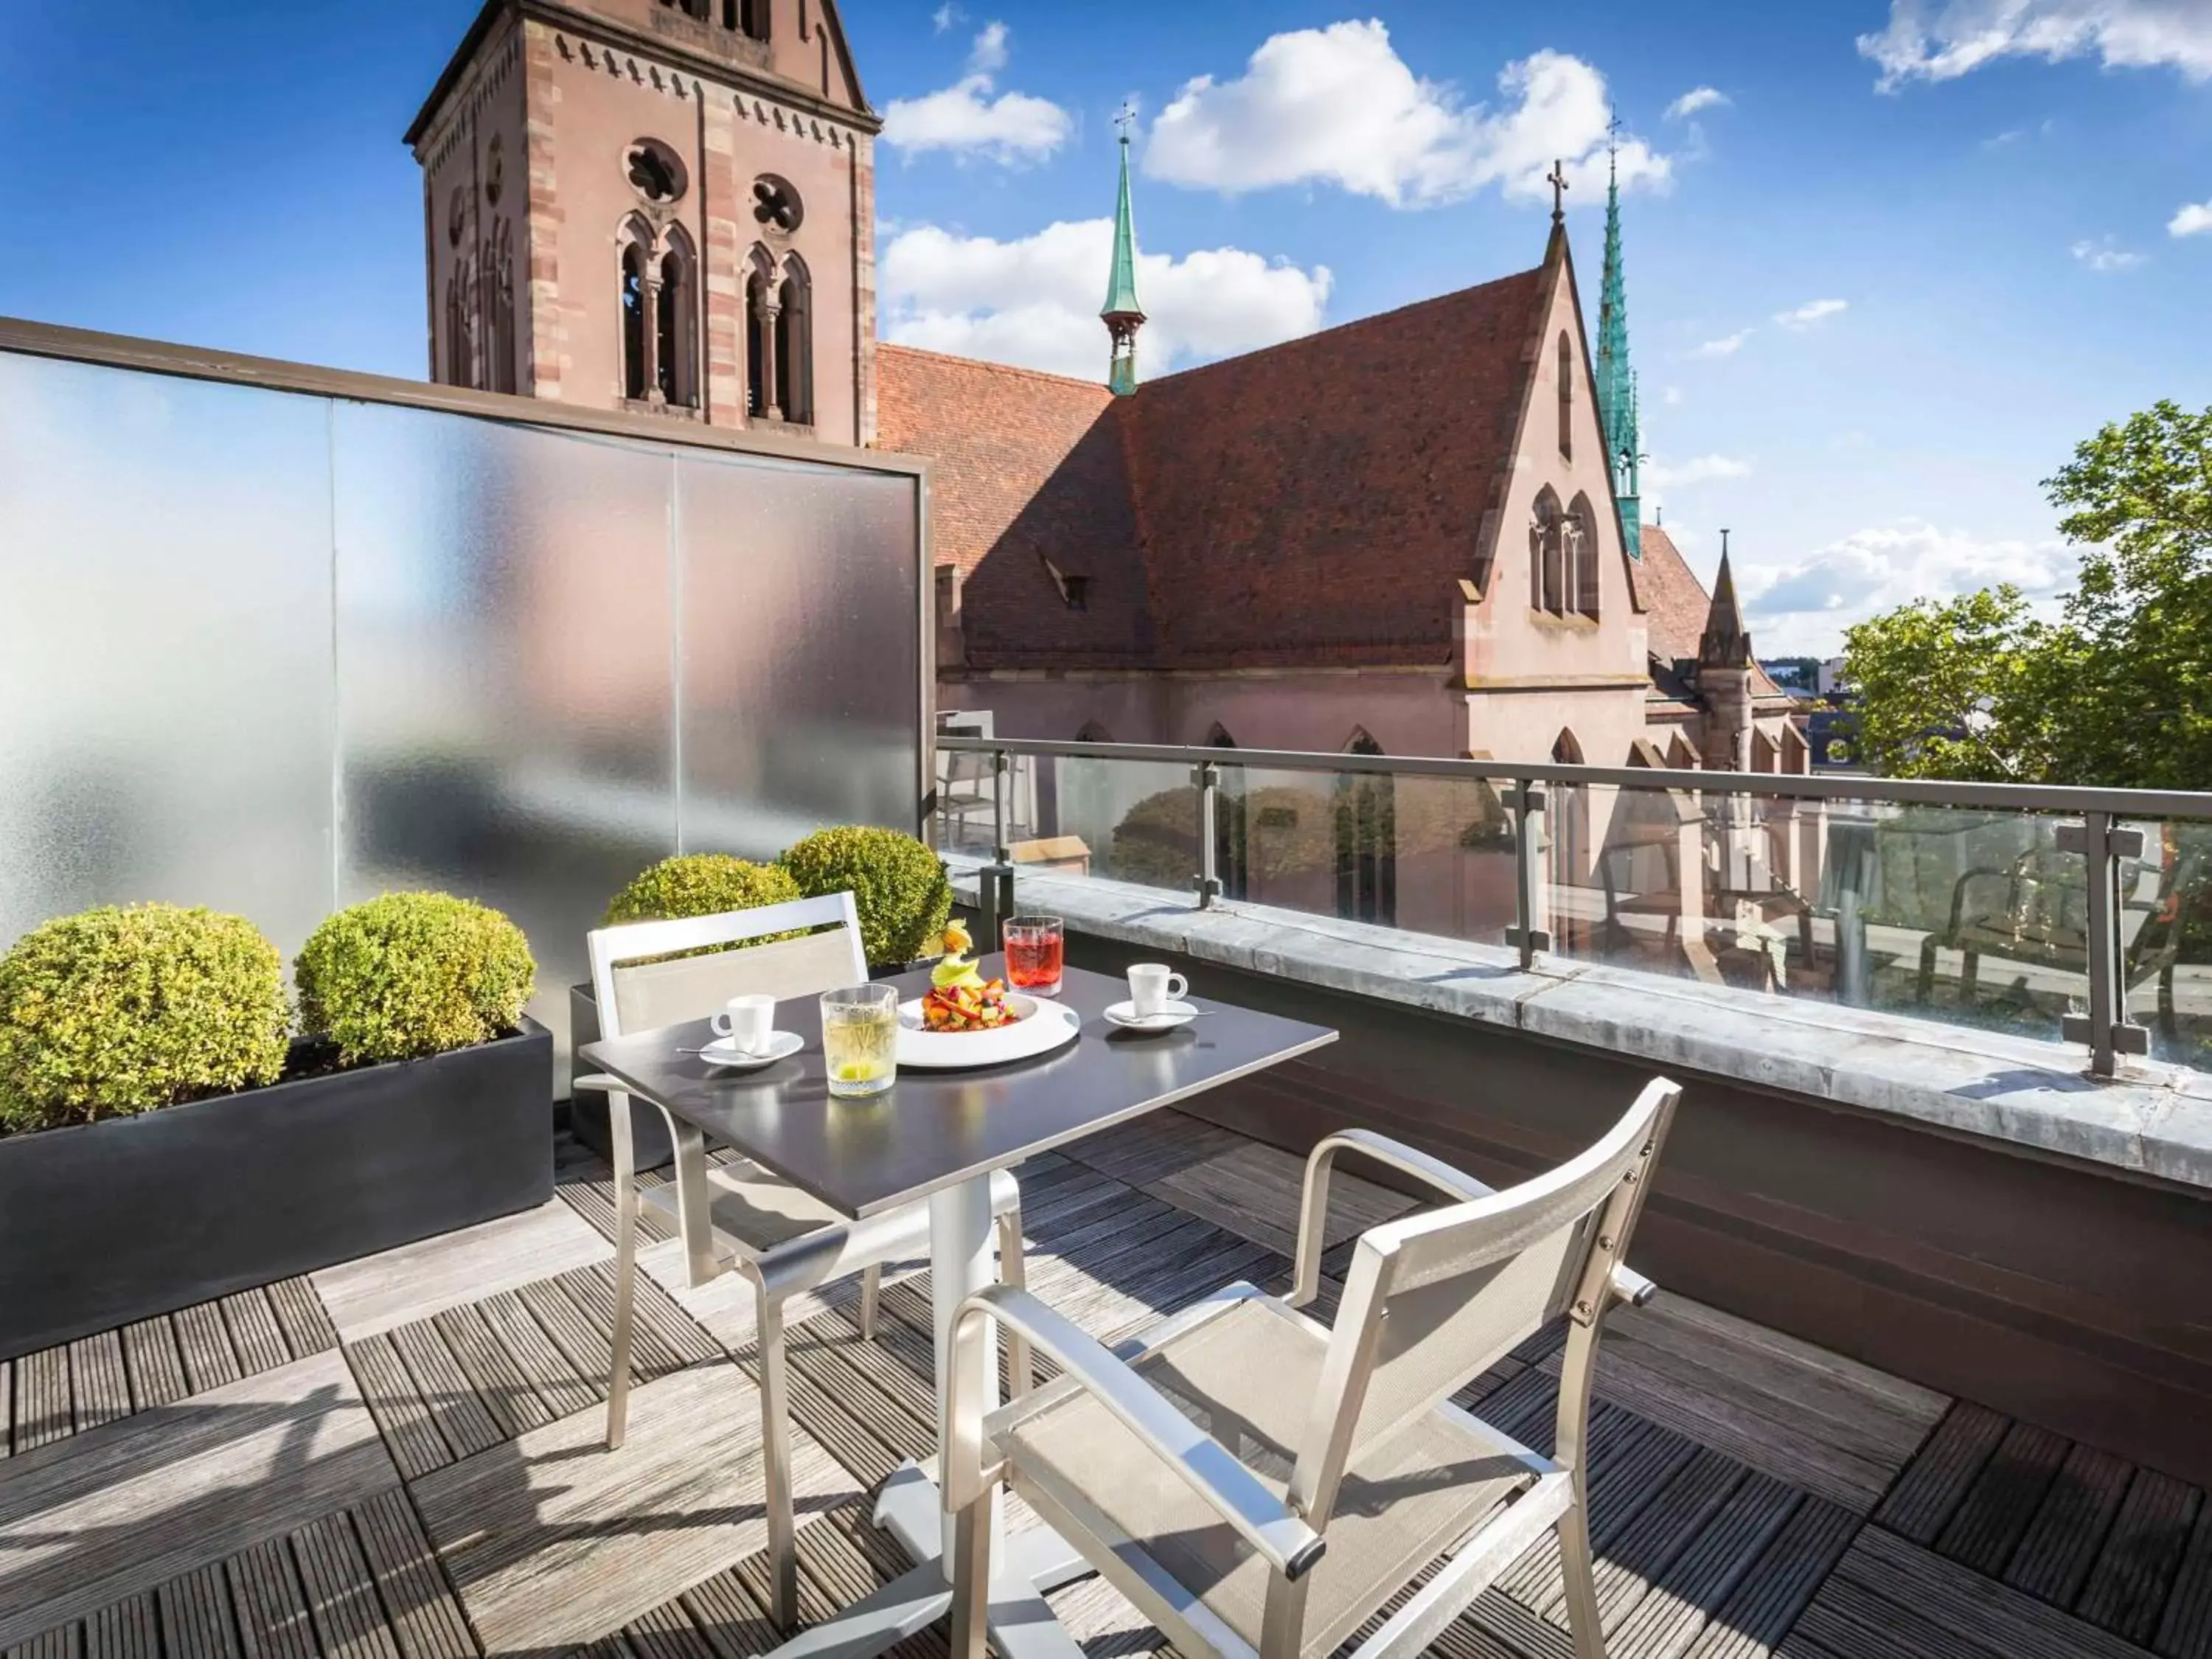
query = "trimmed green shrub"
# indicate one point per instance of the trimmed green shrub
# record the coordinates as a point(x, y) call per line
point(898, 886)
point(111, 1013)
point(701, 884)
point(412, 973)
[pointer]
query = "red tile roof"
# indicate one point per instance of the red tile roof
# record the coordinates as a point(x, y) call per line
point(1310, 503)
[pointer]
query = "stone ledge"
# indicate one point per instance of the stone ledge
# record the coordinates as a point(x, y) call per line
point(2153, 1119)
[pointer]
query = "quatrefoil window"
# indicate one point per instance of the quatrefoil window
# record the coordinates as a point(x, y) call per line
point(776, 204)
point(655, 172)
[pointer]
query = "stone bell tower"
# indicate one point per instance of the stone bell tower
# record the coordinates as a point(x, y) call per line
point(661, 206)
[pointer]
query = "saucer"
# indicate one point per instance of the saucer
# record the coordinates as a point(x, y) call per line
point(1125, 1015)
point(724, 1053)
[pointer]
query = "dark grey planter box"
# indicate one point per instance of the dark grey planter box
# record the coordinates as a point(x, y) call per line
point(106, 1222)
point(650, 1146)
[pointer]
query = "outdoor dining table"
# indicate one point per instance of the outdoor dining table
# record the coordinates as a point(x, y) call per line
point(938, 1136)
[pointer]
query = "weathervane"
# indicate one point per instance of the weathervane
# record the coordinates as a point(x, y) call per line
point(1557, 178)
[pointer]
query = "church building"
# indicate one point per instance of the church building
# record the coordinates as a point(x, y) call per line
point(1414, 533)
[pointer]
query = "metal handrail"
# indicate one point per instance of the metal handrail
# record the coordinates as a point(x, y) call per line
point(1918, 792)
point(2099, 836)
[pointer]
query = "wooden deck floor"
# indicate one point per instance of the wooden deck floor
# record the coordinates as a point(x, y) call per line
point(400, 1459)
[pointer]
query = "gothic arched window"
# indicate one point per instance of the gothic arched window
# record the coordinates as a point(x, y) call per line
point(1547, 567)
point(460, 328)
point(760, 335)
point(500, 279)
point(1581, 538)
point(676, 324)
point(794, 344)
point(633, 322)
point(1366, 840)
point(1567, 399)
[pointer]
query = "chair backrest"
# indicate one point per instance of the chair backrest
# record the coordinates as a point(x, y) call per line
point(1437, 1298)
point(644, 978)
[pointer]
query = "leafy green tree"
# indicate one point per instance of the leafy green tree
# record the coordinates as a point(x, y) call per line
point(2118, 691)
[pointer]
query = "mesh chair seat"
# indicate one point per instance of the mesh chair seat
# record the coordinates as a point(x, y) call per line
point(1248, 1377)
point(750, 1211)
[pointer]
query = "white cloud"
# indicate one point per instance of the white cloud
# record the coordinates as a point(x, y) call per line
point(1812, 312)
point(1727, 346)
point(1673, 394)
point(2193, 220)
point(1339, 106)
point(989, 55)
point(2104, 255)
point(1696, 99)
point(1804, 605)
point(945, 16)
point(965, 117)
point(1703, 469)
point(1035, 301)
point(1942, 41)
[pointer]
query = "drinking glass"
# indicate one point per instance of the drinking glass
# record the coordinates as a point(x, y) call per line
point(1036, 946)
point(860, 1040)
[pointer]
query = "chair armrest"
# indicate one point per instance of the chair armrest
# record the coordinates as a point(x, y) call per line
point(1264, 1521)
point(1630, 1286)
point(599, 1082)
point(1455, 1186)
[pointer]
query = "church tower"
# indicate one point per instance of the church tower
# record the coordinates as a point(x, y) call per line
point(1724, 668)
point(1122, 314)
point(1616, 381)
point(661, 206)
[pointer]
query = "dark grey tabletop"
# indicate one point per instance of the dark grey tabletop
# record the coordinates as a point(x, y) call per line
point(933, 1129)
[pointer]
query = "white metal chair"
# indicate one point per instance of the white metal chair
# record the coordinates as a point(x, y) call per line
point(652, 974)
point(1261, 1485)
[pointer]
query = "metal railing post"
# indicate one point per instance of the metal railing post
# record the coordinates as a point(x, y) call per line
point(1206, 778)
point(997, 878)
point(1528, 933)
point(2105, 1028)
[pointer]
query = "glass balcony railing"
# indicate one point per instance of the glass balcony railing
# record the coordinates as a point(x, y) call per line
point(2082, 915)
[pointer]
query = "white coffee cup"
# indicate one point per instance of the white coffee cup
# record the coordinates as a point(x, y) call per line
point(1152, 986)
point(748, 1022)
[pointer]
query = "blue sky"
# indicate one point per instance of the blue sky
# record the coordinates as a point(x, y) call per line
point(1998, 190)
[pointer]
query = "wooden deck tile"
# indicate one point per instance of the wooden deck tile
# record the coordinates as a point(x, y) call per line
point(341, 1597)
point(1903, 1588)
point(62, 1644)
point(538, 1356)
point(1657, 1537)
point(42, 1402)
point(7, 1407)
point(1682, 1601)
point(401, 1413)
point(307, 1328)
point(1936, 1481)
point(1989, 1523)
point(667, 1632)
point(2184, 1630)
point(426, 1621)
point(491, 1371)
point(2063, 1541)
point(552, 1540)
point(1751, 1622)
point(129, 1628)
point(156, 1364)
point(271, 1611)
point(460, 1416)
point(1254, 1191)
point(99, 1384)
point(2127, 1588)
point(734, 1625)
point(122, 1507)
point(210, 1361)
point(411, 1283)
point(255, 1335)
point(196, 1617)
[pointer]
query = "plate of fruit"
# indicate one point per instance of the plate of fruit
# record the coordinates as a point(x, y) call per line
point(965, 1019)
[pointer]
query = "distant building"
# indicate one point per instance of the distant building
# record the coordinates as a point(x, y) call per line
point(1417, 532)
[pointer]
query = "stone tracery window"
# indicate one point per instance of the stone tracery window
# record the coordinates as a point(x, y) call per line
point(1582, 558)
point(779, 338)
point(1547, 563)
point(659, 278)
point(655, 172)
point(777, 205)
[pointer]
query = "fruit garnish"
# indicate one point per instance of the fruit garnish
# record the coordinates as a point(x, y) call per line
point(957, 939)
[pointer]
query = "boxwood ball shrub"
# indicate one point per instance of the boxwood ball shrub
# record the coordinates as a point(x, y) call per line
point(701, 884)
point(411, 974)
point(115, 1012)
point(898, 886)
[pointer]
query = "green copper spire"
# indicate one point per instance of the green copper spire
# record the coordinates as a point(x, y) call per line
point(1616, 381)
point(1122, 314)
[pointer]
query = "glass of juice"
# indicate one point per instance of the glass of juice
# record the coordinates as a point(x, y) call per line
point(1035, 948)
point(860, 1040)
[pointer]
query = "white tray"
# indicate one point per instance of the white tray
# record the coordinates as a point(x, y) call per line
point(1039, 1028)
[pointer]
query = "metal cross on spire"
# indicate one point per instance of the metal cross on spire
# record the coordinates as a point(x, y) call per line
point(1125, 118)
point(1557, 178)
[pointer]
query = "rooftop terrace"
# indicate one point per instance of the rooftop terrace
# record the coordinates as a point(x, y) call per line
point(400, 1457)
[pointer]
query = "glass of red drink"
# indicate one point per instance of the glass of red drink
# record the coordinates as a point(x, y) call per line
point(1035, 948)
